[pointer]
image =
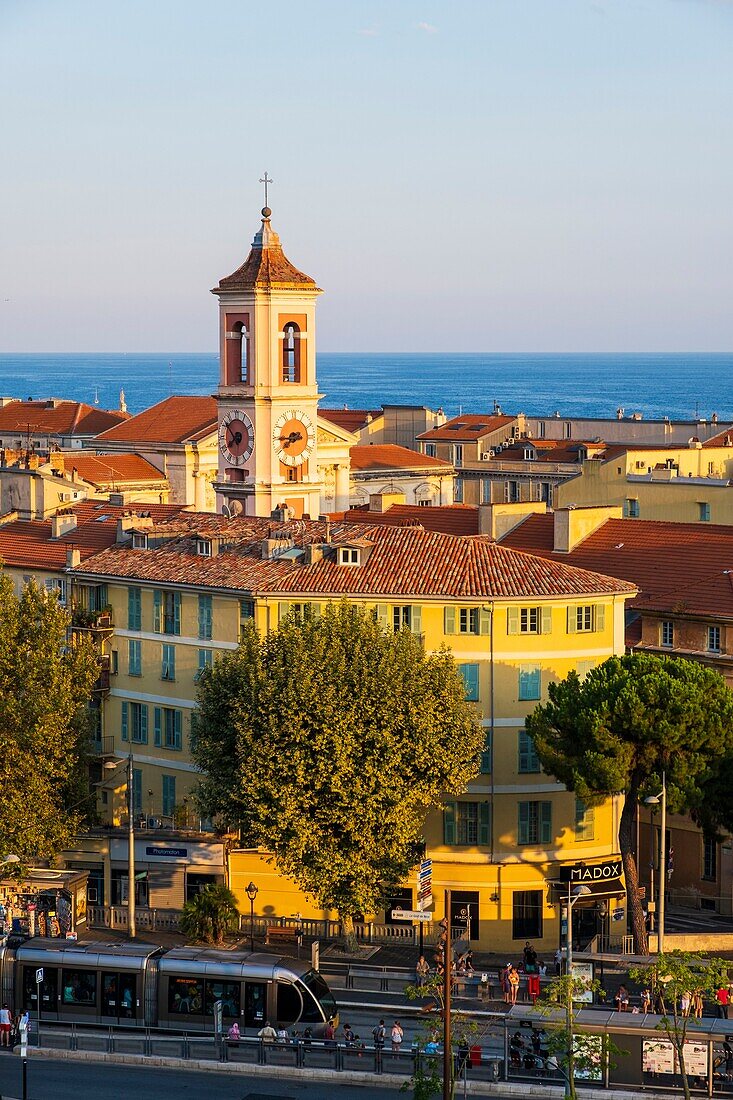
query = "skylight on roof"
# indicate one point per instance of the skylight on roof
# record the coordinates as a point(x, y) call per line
point(101, 519)
point(454, 427)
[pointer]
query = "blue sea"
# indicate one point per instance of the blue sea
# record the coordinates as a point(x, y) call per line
point(679, 385)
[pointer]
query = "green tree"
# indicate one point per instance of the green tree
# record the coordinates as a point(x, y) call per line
point(45, 682)
point(675, 975)
point(615, 731)
point(211, 913)
point(327, 742)
point(577, 1052)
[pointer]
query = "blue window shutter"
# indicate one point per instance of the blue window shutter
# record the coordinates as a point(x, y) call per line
point(157, 611)
point(536, 683)
point(133, 609)
point(512, 620)
point(144, 723)
point(450, 620)
point(484, 824)
point(177, 729)
point(523, 823)
point(125, 720)
point(470, 679)
point(545, 822)
point(157, 727)
point(449, 823)
point(176, 612)
point(486, 762)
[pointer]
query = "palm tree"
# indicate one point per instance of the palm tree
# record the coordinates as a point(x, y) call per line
point(210, 914)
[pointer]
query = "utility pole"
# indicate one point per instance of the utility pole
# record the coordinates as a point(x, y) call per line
point(131, 851)
point(447, 981)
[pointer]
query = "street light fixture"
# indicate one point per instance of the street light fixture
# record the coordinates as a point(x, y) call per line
point(110, 765)
point(656, 800)
point(251, 891)
point(9, 859)
point(573, 896)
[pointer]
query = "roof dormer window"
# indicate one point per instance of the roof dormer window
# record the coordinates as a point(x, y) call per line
point(203, 548)
point(348, 555)
point(139, 542)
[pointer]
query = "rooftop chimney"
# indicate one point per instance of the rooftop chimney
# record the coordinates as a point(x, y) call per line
point(73, 557)
point(62, 523)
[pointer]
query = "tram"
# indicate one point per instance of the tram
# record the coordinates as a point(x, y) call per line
point(146, 986)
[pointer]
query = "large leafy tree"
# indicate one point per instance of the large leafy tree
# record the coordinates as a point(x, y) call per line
point(327, 742)
point(45, 682)
point(618, 729)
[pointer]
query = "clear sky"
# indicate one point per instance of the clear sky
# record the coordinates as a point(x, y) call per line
point(471, 175)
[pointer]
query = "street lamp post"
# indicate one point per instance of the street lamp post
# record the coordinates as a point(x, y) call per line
point(573, 895)
point(656, 800)
point(251, 891)
point(131, 923)
point(10, 859)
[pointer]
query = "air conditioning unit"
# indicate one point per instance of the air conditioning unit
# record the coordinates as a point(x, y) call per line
point(486, 455)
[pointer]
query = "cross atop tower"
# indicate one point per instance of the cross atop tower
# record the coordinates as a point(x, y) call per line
point(266, 180)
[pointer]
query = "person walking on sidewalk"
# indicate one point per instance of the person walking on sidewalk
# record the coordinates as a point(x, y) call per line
point(397, 1035)
point(378, 1034)
point(6, 1022)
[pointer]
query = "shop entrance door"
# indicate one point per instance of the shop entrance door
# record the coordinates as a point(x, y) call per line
point(464, 915)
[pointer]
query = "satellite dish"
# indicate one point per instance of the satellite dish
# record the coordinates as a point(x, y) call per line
point(226, 511)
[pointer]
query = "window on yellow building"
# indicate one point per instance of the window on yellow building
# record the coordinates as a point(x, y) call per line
point(467, 620)
point(486, 761)
point(470, 674)
point(583, 668)
point(134, 657)
point(206, 660)
point(246, 614)
point(534, 823)
point(529, 620)
point(299, 611)
point(528, 762)
point(166, 612)
point(530, 682)
point(586, 618)
point(168, 724)
point(205, 617)
point(709, 859)
point(134, 609)
point(527, 914)
point(168, 662)
point(668, 633)
point(467, 823)
point(585, 821)
point(407, 616)
point(134, 722)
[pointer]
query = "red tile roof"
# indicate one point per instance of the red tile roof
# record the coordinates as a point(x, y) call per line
point(724, 438)
point(388, 456)
point(57, 418)
point(451, 519)
point(114, 469)
point(351, 420)
point(404, 561)
point(28, 544)
point(469, 427)
point(687, 567)
point(173, 420)
point(266, 266)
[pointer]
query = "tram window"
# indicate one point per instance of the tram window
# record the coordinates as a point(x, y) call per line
point(79, 987)
point(185, 995)
point(118, 995)
point(49, 989)
point(289, 1004)
point(227, 993)
point(254, 1004)
point(318, 989)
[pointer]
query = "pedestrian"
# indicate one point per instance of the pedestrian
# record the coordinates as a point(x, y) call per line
point(329, 1034)
point(396, 1035)
point(646, 1000)
point(558, 961)
point(6, 1022)
point(267, 1033)
point(422, 971)
point(348, 1035)
point(233, 1033)
point(696, 1004)
point(722, 998)
point(378, 1034)
point(513, 979)
point(685, 1003)
point(504, 977)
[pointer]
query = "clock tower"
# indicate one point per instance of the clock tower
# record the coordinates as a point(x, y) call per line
point(267, 395)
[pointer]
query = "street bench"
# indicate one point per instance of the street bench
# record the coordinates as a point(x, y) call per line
point(280, 934)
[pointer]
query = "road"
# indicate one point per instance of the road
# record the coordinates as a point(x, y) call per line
point(50, 1080)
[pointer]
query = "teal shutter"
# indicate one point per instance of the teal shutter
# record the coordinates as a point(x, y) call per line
point(572, 620)
point(528, 761)
point(134, 609)
point(205, 617)
point(157, 727)
point(486, 755)
point(177, 729)
point(144, 723)
point(470, 674)
point(283, 610)
point(530, 682)
point(523, 823)
point(157, 611)
point(449, 617)
point(176, 612)
point(545, 822)
point(600, 623)
point(125, 721)
point(382, 613)
point(547, 620)
point(449, 823)
point(484, 824)
point(512, 620)
point(484, 621)
point(416, 619)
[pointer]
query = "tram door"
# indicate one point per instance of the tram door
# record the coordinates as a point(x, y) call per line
point(119, 995)
point(49, 991)
point(255, 1004)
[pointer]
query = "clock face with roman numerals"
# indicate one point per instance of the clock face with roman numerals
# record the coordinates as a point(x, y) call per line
point(294, 437)
point(236, 437)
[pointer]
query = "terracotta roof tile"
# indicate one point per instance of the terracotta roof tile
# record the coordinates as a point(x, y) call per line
point(451, 519)
point(470, 427)
point(114, 469)
point(686, 566)
point(266, 266)
point(173, 420)
point(57, 418)
point(352, 420)
point(388, 456)
point(404, 562)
